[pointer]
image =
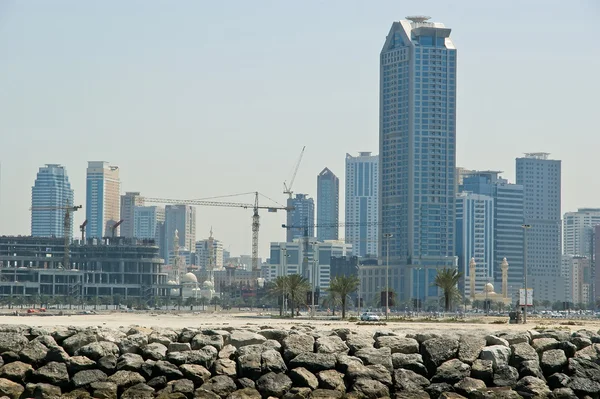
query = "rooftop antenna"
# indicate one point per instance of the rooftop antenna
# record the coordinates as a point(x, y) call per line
point(418, 18)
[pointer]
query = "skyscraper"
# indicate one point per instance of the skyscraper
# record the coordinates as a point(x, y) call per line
point(51, 189)
point(578, 231)
point(183, 219)
point(128, 202)
point(541, 180)
point(301, 217)
point(508, 222)
point(475, 239)
point(147, 222)
point(417, 150)
point(102, 198)
point(328, 205)
point(362, 203)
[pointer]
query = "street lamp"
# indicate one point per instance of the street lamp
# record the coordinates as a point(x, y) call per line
point(387, 236)
point(525, 228)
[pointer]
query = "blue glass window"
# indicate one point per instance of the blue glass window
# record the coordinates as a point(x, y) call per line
point(426, 41)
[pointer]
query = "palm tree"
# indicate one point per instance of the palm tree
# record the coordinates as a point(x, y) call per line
point(331, 300)
point(447, 280)
point(343, 286)
point(203, 301)
point(297, 286)
point(215, 301)
point(277, 290)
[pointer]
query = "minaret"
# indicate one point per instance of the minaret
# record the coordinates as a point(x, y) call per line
point(472, 266)
point(176, 271)
point(211, 257)
point(504, 268)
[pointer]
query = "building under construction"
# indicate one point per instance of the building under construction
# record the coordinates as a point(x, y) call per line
point(97, 267)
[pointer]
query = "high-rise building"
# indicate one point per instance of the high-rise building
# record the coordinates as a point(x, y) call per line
point(209, 254)
point(541, 180)
point(362, 203)
point(102, 198)
point(183, 219)
point(147, 222)
point(475, 240)
point(576, 273)
point(328, 205)
point(128, 202)
point(578, 231)
point(508, 222)
point(50, 190)
point(301, 217)
point(417, 150)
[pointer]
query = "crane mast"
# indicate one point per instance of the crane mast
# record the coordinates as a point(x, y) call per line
point(288, 189)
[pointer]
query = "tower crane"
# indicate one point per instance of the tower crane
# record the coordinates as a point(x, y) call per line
point(255, 216)
point(67, 225)
point(288, 189)
point(82, 229)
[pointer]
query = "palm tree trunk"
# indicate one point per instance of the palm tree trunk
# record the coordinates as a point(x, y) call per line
point(343, 308)
point(292, 307)
point(447, 301)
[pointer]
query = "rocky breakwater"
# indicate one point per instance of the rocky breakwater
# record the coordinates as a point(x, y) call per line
point(261, 362)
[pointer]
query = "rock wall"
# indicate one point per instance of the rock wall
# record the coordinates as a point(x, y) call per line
point(138, 362)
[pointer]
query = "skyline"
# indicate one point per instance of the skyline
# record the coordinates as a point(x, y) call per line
point(94, 97)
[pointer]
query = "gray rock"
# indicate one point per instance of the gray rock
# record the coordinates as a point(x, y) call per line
point(583, 368)
point(497, 354)
point(272, 344)
point(553, 361)
point(591, 352)
point(345, 361)
point(228, 352)
point(16, 371)
point(558, 380)
point(96, 350)
point(78, 363)
point(530, 368)
point(492, 340)
point(158, 382)
point(57, 354)
point(584, 386)
point(34, 352)
point(130, 362)
point(397, 344)
point(243, 338)
point(381, 356)
point(295, 344)
point(10, 389)
point(356, 342)
point(167, 369)
point(563, 393)
point(246, 393)
point(52, 373)
point(60, 333)
point(531, 386)
point(370, 388)
point(468, 385)
point(412, 395)
point(225, 367)
point(179, 347)
point(198, 374)
point(221, 385)
point(245, 383)
point(301, 377)
point(108, 364)
point(581, 342)
point(43, 391)
point(544, 344)
point(9, 357)
point(104, 390)
point(138, 391)
point(557, 335)
point(202, 393)
point(331, 379)
point(505, 376)
point(271, 360)
point(325, 394)
point(124, 379)
point(277, 335)
point(469, 348)
point(437, 351)
point(331, 344)
point(436, 390)
point(12, 342)
point(154, 351)
point(521, 353)
point(412, 362)
point(314, 362)
point(187, 334)
point(133, 343)
point(451, 372)
point(86, 377)
point(272, 384)
point(200, 341)
point(517, 338)
point(183, 386)
point(74, 342)
point(568, 347)
point(406, 380)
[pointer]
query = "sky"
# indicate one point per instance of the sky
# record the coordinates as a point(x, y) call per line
point(195, 99)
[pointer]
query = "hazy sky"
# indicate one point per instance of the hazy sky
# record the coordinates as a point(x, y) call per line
point(194, 99)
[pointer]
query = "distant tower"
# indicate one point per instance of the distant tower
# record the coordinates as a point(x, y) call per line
point(504, 268)
point(472, 267)
point(211, 257)
point(176, 263)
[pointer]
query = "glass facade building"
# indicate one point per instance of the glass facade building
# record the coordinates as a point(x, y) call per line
point(417, 140)
point(328, 205)
point(103, 201)
point(51, 189)
point(300, 217)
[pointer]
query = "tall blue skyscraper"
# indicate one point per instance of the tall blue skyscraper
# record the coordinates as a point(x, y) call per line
point(541, 180)
point(508, 222)
point(417, 149)
point(362, 203)
point(302, 216)
point(328, 205)
point(50, 190)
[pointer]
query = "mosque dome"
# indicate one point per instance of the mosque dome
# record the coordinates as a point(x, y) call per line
point(189, 278)
point(489, 287)
point(171, 282)
point(208, 285)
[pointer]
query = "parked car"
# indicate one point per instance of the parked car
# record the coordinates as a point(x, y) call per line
point(367, 316)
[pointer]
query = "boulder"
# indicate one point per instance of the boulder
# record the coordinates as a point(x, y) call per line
point(331, 379)
point(183, 386)
point(107, 363)
point(133, 343)
point(314, 362)
point(558, 380)
point(367, 388)
point(246, 393)
point(43, 391)
point(138, 391)
point(331, 344)
point(492, 340)
point(12, 342)
point(57, 354)
point(469, 348)
point(381, 356)
point(243, 338)
point(84, 378)
point(74, 342)
point(96, 350)
point(412, 362)
point(221, 385)
point(301, 377)
point(179, 347)
point(581, 342)
point(521, 353)
point(16, 371)
point(374, 372)
point(202, 393)
point(544, 344)
point(245, 383)
point(295, 344)
point(277, 335)
point(158, 382)
point(397, 344)
point(130, 362)
point(583, 368)
point(52, 373)
point(154, 351)
point(356, 342)
point(10, 389)
point(532, 387)
point(228, 352)
point(225, 367)
point(406, 380)
point(345, 361)
point(553, 361)
point(325, 394)
point(530, 368)
point(198, 374)
point(78, 363)
point(437, 351)
point(201, 340)
point(505, 376)
point(468, 386)
point(34, 352)
point(436, 390)
point(563, 393)
point(451, 372)
point(250, 366)
point(584, 386)
point(104, 390)
point(591, 352)
point(124, 379)
point(517, 338)
point(497, 354)
point(167, 369)
point(273, 384)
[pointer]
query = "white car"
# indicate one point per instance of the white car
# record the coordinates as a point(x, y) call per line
point(367, 316)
